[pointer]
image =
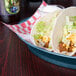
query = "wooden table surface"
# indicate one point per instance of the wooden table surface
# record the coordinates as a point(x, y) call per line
point(17, 60)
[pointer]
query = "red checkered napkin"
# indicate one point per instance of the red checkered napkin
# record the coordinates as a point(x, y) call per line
point(24, 29)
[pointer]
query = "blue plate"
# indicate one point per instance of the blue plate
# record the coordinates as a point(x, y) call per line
point(52, 57)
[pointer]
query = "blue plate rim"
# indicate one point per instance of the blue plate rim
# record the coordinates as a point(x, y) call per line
point(72, 57)
point(28, 43)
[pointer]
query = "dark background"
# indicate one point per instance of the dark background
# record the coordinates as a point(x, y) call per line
point(28, 6)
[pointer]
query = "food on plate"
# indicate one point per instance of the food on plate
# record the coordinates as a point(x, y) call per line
point(42, 30)
point(64, 40)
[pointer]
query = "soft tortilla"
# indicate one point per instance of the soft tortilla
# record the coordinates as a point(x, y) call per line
point(47, 18)
point(59, 25)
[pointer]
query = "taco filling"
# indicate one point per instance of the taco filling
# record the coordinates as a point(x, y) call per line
point(43, 29)
point(68, 42)
point(43, 34)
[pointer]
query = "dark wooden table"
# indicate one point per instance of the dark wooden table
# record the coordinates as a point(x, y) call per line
point(17, 60)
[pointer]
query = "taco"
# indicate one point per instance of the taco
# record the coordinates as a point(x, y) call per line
point(41, 31)
point(64, 32)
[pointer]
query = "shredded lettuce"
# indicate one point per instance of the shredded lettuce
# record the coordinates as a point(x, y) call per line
point(42, 29)
point(40, 26)
point(69, 28)
point(37, 36)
